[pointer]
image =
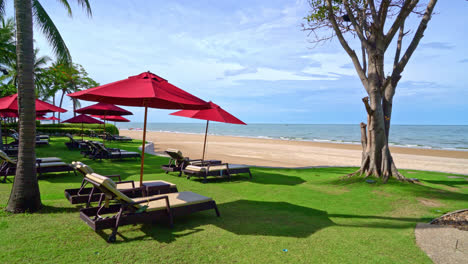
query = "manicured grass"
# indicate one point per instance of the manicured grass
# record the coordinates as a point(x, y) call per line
point(311, 213)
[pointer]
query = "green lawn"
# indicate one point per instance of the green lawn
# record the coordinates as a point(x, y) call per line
point(280, 216)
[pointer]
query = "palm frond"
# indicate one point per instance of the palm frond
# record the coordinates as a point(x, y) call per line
point(2, 8)
point(86, 6)
point(51, 32)
point(66, 5)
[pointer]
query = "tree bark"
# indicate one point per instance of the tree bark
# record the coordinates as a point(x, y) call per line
point(25, 195)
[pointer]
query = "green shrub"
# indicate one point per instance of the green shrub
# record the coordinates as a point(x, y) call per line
point(62, 129)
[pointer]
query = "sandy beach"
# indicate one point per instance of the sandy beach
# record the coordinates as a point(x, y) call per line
point(296, 154)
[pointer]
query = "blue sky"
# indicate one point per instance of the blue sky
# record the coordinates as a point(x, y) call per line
point(253, 59)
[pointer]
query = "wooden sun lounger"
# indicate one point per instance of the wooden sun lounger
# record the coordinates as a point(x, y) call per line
point(111, 137)
point(131, 188)
point(178, 162)
point(73, 143)
point(219, 170)
point(101, 152)
point(139, 210)
point(39, 142)
point(43, 165)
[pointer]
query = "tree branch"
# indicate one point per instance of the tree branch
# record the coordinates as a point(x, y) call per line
point(417, 37)
point(383, 12)
point(345, 45)
point(374, 13)
point(398, 48)
point(369, 110)
point(406, 9)
point(357, 27)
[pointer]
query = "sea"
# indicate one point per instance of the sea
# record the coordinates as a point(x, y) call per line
point(449, 137)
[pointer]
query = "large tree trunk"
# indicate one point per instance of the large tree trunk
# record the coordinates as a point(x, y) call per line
point(376, 157)
point(25, 194)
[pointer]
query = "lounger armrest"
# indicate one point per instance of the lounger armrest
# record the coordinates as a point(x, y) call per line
point(114, 176)
point(133, 182)
point(168, 206)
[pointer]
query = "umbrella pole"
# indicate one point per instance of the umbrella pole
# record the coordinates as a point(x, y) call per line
point(143, 147)
point(105, 135)
point(204, 144)
point(82, 131)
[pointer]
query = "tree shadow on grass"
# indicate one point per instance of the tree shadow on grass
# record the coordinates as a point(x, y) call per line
point(47, 209)
point(260, 177)
point(412, 189)
point(246, 217)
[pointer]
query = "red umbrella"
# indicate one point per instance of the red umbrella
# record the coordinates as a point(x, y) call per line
point(82, 119)
point(214, 113)
point(114, 118)
point(52, 118)
point(103, 109)
point(147, 90)
point(10, 104)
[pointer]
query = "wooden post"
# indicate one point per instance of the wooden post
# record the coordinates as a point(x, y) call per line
point(204, 144)
point(143, 147)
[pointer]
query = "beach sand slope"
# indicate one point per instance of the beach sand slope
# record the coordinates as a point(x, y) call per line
point(294, 154)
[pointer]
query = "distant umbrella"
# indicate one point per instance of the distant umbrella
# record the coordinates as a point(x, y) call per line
point(83, 119)
point(214, 113)
point(112, 118)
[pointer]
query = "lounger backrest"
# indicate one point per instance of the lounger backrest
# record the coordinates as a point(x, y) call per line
point(14, 136)
point(4, 157)
point(82, 168)
point(102, 148)
point(70, 137)
point(108, 186)
point(175, 154)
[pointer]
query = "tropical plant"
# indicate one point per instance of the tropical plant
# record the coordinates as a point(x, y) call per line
point(25, 195)
point(374, 24)
point(68, 79)
point(11, 78)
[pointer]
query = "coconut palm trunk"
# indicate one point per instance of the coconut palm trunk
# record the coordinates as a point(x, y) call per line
point(25, 194)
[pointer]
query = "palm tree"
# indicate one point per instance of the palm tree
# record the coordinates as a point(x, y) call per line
point(7, 43)
point(25, 195)
point(11, 79)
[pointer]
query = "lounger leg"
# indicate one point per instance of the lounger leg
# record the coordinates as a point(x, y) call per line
point(216, 209)
point(88, 204)
point(113, 235)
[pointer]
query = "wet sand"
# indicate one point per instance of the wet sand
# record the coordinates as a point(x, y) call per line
point(292, 154)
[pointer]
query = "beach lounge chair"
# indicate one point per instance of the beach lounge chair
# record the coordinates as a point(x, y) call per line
point(39, 142)
point(139, 210)
point(178, 162)
point(38, 137)
point(131, 188)
point(111, 137)
point(73, 143)
point(218, 170)
point(43, 165)
point(101, 152)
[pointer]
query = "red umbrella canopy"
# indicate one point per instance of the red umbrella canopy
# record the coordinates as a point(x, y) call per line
point(52, 118)
point(214, 113)
point(8, 114)
point(112, 118)
point(83, 119)
point(103, 109)
point(145, 89)
point(10, 104)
